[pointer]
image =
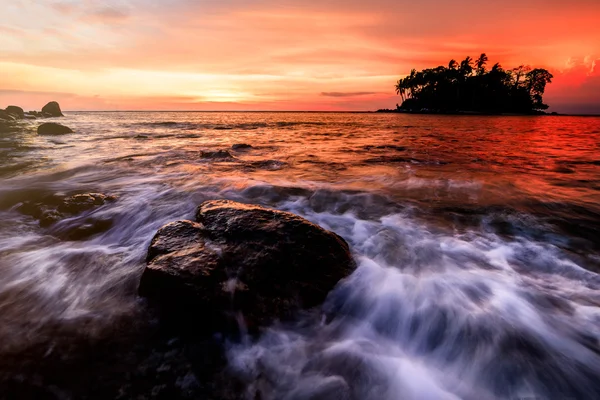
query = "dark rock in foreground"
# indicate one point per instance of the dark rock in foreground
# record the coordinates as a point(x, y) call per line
point(52, 109)
point(52, 128)
point(238, 258)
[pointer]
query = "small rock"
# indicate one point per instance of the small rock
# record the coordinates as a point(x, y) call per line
point(6, 116)
point(49, 217)
point(16, 111)
point(51, 128)
point(241, 146)
point(270, 165)
point(82, 202)
point(217, 155)
point(52, 109)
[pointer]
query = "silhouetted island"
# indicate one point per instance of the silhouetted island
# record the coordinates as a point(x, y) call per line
point(470, 88)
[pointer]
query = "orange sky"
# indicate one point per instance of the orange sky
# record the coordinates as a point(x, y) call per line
point(280, 54)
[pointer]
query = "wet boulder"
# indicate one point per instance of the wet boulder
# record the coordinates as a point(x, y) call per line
point(52, 109)
point(238, 259)
point(17, 112)
point(51, 128)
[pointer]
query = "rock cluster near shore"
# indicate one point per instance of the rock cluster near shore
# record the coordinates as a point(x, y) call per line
point(242, 260)
point(51, 110)
point(13, 113)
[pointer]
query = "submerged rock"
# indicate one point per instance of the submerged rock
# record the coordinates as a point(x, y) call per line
point(239, 258)
point(270, 165)
point(49, 217)
point(37, 114)
point(54, 208)
point(52, 128)
point(241, 146)
point(83, 231)
point(217, 155)
point(52, 109)
point(15, 111)
point(385, 147)
point(82, 202)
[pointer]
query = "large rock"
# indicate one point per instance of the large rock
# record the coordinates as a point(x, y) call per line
point(242, 259)
point(51, 128)
point(16, 111)
point(53, 109)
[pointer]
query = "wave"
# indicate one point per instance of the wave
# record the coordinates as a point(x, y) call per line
point(432, 315)
point(237, 126)
point(403, 160)
point(199, 125)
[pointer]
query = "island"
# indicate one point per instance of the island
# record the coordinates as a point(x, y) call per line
point(469, 87)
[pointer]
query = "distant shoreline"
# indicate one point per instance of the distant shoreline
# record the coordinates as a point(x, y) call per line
point(476, 113)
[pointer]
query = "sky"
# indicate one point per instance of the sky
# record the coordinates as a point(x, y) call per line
point(326, 55)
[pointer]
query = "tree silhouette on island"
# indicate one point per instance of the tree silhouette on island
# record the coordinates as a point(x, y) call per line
point(469, 87)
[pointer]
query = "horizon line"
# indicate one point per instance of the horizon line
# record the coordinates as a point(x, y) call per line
point(330, 112)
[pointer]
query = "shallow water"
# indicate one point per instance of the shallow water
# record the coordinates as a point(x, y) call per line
point(477, 241)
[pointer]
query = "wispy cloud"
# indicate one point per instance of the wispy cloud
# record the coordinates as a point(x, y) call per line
point(347, 94)
point(106, 14)
point(64, 7)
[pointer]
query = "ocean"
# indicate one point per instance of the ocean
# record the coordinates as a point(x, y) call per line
point(477, 243)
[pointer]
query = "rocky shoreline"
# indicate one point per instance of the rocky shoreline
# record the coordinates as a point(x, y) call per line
point(12, 114)
point(226, 276)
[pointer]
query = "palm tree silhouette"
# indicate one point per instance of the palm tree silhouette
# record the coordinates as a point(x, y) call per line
point(456, 87)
